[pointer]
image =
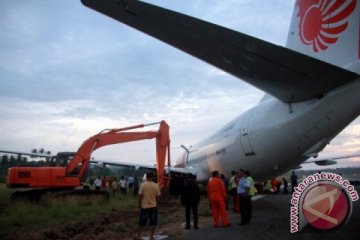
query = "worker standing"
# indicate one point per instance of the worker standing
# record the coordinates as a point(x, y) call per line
point(122, 184)
point(225, 180)
point(135, 186)
point(115, 186)
point(110, 185)
point(274, 185)
point(243, 192)
point(293, 181)
point(97, 184)
point(285, 186)
point(252, 191)
point(233, 188)
point(217, 195)
point(190, 198)
point(103, 183)
point(149, 194)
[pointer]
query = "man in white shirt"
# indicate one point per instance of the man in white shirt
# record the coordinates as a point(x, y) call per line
point(149, 194)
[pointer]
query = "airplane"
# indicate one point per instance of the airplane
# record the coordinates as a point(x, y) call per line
point(311, 86)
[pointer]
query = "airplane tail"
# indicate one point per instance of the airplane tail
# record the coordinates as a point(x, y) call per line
point(327, 30)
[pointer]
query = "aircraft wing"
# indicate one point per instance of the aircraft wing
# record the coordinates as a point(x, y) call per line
point(124, 164)
point(141, 166)
point(285, 74)
point(331, 160)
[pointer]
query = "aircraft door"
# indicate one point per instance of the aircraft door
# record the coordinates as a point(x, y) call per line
point(244, 136)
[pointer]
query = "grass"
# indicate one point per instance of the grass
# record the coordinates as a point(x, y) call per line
point(25, 216)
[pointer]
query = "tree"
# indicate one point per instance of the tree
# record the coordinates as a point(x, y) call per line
point(24, 160)
point(4, 165)
point(41, 150)
point(33, 151)
point(12, 161)
point(18, 160)
point(5, 161)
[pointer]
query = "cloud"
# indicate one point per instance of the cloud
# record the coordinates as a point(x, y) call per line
point(63, 125)
point(43, 123)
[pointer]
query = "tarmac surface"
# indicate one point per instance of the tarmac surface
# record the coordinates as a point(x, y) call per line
point(271, 220)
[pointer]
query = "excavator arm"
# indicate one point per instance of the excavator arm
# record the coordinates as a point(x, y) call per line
point(81, 159)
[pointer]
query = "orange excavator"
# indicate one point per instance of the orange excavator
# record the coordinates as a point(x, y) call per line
point(63, 179)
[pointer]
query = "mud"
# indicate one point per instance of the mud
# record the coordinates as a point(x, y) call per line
point(118, 224)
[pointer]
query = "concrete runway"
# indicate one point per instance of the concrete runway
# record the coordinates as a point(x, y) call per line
point(271, 219)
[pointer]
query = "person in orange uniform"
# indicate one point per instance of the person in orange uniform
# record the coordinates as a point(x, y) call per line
point(217, 195)
point(274, 185)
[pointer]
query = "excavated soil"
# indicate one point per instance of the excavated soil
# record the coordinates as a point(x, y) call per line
point(109, 226)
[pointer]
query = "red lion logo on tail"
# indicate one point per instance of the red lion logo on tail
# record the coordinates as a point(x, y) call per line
point(322, 21)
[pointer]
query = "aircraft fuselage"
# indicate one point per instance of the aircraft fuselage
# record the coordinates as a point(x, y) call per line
point(274, 137)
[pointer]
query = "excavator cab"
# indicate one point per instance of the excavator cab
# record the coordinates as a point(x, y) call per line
point(63, 158)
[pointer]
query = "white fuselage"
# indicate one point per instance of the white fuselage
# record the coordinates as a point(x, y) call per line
point(274, 137)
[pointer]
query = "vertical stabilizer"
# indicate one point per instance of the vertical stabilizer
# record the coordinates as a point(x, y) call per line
point(327, 30)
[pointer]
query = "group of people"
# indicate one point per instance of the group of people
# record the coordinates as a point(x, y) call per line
point(240, 186)
point(112, 185)
point(276, 184)
point(241, 181)
point(242, 189)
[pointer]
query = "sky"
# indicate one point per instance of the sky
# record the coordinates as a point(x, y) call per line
point(68, 72)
